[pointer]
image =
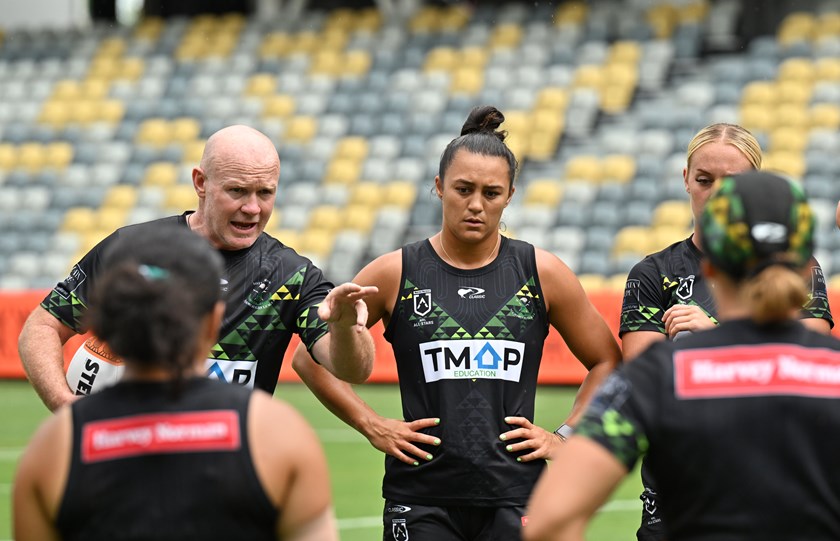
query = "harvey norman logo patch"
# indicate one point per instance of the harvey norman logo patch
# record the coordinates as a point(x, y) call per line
point(472, 359)
point(772, 369)
point(160, 433)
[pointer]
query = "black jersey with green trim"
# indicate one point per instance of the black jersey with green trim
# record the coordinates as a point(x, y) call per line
point(468, 345)
point(672, 276)
point(271, 292)
point(739, 424)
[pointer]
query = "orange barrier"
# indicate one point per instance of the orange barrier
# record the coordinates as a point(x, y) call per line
point(559, 366)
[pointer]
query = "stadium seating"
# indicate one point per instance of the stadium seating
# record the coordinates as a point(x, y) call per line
point(601, 97)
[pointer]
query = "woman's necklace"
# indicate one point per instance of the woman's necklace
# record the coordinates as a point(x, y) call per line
point(449, 257)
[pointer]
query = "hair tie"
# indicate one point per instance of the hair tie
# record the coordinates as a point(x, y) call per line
point(152, 273)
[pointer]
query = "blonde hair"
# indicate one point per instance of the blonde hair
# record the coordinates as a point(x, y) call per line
point(731, 134)
point(773, 294)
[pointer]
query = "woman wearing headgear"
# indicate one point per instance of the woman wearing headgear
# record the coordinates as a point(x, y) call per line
point(467, 312)
point(666, 295)
point(168, 454)
point(740, 423)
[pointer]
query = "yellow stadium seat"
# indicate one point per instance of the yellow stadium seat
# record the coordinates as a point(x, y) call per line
point(110, 218)
point(335, 40)
point(359, 218)
point(83, 111)
point(67, 90)
point(553, 98)
point(343, 171)
point(121, 196)
point(184, 130)
point(289, 237)
point(505, 35)
point(517, 122)
point(327, 217)
point(662, 18)
point(588, 76)
point(664, 236)
point(305, 42)
point(632, 240)
point(94, 89)
point(798, 26)
point(55, 113)
point(180, 197)
point(261, 85)
point(275, 44)
point(281, 106)
point(301, 129)
point(672, 213)
point(442, 59)
point(473, 57)
point(828, 24)
point(824, 115)
point(59, 154)
point(586, 168)
point(193, 151)
point(794, 92)
point(693, 13)
point(153, 131)
point(616, 98)
point(788, 139)
point(352, 148)
point(796, 69)
point(546, 191)
point(114, 46)
point(618, 168)
point(620, 74)
point(91, 238)
point(400, 193)
point(8, 156)
point(32, 156)
point(357, 63)
point(160, 174)
point(131, 69)
point(792, 116)
point(454, 18)
point(467, 81)
point(368, 20)
point(757, 117)
point(573, 13)
point(550, 121)
point(542, 145)
point(327, 62)
point(111, 111)
point(318, 242)
point(625, 52)
point(367, 194)
point(592, 282)
point(104, 67)
point(79, 220)
point(791, 164)
point(759, 93)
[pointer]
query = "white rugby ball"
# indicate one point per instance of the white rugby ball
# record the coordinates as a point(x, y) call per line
point(93, 368)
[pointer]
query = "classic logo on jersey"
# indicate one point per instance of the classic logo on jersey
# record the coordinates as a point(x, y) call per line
point(686, 287)
point(472, 359)
point(632, 295)
point(223, 284)
point(239, 372)
point(471, 293)
point(160, 433)
point(72, 282)
point(772, 369)
point(398, 509)
point(399, 529)
point(260, 295)
point(422, 301)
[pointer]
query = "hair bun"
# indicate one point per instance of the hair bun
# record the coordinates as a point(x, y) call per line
point(487, 119)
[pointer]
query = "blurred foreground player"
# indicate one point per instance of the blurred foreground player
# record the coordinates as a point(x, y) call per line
point(740, 423)
point(168, 454)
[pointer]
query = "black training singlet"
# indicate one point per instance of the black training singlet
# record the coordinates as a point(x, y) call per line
point(148, 466)
point(742, 423)
point(672, 276)
point(270, 294)
point(468, 345)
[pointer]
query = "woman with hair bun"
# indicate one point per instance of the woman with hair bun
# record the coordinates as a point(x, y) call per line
point(739, 424)
point(168, 454)
point(467, 312)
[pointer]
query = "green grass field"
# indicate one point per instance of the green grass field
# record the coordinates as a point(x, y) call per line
point(355, 466)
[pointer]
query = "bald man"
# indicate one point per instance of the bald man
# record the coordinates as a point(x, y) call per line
point(271, 291)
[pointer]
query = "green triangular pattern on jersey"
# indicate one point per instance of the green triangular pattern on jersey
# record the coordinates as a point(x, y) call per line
point(55, 303)
point(234, 344)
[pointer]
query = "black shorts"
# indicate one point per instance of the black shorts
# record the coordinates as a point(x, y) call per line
point(403, 521)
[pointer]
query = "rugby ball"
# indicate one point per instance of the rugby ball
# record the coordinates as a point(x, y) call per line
point(93, 368)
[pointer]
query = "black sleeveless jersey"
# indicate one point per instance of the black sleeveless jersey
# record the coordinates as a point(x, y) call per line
point(672, 276)
point(741, 426)
point(148, 465)
point(271, 292)
point(468, 345)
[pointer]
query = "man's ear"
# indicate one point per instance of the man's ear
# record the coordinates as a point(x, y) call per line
point(199, 180)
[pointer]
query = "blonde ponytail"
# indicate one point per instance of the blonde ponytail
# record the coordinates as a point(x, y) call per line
point(773, 294)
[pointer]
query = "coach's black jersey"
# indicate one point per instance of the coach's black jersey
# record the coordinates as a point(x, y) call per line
point(672, 276)
point(270, 289)
point(468, 345)
point(741, 425)
point(147, 465)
